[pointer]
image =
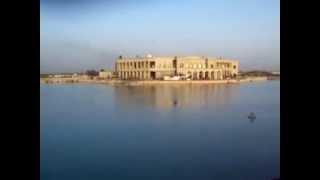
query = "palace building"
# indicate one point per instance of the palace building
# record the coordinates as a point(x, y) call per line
point(193, 67)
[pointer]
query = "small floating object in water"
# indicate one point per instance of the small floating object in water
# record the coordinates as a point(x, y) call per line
point(252, 116)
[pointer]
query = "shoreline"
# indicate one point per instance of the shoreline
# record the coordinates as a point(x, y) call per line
point(149, 82)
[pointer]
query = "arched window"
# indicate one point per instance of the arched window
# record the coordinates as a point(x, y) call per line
point(201, 75)
point(195, 76)
point(206, 75)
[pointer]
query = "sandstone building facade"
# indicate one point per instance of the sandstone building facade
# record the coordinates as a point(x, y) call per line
point(105, 74)
point(193, 67)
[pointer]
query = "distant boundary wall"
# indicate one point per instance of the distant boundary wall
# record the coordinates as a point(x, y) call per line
point(146, 82)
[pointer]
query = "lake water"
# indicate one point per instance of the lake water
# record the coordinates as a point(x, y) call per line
point(101, 132)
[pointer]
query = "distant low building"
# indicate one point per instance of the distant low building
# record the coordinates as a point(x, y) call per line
point(62, 75)
point(58, 76)
point(83, 77)
point(105, 74)
point(74, 75)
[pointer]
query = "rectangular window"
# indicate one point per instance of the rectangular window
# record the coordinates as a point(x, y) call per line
point(152, 64)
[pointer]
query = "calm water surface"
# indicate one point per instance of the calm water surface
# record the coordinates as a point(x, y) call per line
point(100, 132)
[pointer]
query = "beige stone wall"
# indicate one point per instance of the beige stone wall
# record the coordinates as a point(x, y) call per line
point(105, 74)
point(146, 68)
point(141, 68)
point(207, 68)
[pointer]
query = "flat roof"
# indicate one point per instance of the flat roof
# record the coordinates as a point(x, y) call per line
point(172, 57)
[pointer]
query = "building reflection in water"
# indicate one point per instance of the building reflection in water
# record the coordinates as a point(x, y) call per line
point(164, 97)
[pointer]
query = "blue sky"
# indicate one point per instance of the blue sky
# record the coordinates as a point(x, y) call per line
point(89, 34)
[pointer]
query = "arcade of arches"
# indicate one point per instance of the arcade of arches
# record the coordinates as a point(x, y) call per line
point(195, 75)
